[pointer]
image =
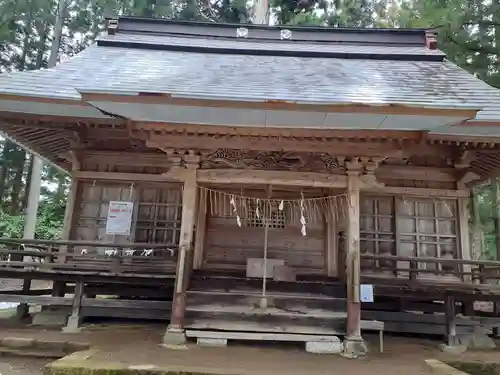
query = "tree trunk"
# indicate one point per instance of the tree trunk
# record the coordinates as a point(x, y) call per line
point(496, 214)
point(17, 184)
point(28, 183)
point(7, 148)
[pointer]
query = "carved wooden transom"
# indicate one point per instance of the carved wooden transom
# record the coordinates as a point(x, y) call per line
point(275, 160)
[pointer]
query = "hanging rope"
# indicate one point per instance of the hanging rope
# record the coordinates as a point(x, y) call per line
point(303, 210)
point(263, 300)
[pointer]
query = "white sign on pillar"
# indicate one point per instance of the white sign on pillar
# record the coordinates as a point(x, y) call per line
point(119, 218)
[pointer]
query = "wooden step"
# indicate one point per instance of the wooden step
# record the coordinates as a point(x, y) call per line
point(271, 316)
point(245, 326)
point(285, 301)
point(257, 336)
point(331, 289)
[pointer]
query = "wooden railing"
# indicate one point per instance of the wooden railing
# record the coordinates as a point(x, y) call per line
point(464, 270)
point(87, 256)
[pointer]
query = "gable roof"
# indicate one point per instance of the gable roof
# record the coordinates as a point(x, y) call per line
point(316, 66)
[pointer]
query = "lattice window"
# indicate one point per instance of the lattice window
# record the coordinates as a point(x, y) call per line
point(377, 232)
point(156, 218)
point(159, 214)
point(428, 228)
point(276, 219)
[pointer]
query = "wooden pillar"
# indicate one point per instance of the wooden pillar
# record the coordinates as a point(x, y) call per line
point(175, 330)
point(465, 248)
point(59, 287)
point(451, 323)
point(201, 229)
point(354, 345)
point(331, 243)
point(74, 319)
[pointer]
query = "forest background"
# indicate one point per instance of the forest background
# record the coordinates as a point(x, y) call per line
point(469, 33)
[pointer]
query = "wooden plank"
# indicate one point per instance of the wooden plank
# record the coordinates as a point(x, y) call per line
point(258, 336)
point(278, 178)
point(36, 300)
point(174, 175)
point(262, 143)
point(245, 326)
point(397, 172)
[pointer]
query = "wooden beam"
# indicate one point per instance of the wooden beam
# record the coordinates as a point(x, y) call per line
point(233, 176)
point(416, 192)
point(175, 175)
point(150, 159)
point(398, 172)
point(334, 147)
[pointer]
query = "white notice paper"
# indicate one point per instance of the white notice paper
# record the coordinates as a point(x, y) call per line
point(119, 218)
point(366, 293)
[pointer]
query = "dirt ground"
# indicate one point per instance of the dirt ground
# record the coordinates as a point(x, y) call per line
point(22, 366)
point(138, 345)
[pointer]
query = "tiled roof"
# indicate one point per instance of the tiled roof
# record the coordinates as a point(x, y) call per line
point(161, 68)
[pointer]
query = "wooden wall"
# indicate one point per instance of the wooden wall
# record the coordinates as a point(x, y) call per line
point(228, 246)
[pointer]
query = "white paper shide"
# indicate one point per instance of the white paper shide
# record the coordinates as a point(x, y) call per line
point(119, 218)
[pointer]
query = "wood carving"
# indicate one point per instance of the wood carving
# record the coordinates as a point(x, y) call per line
point(276, 160)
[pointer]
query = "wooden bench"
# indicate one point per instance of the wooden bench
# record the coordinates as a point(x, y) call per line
point(375, 325)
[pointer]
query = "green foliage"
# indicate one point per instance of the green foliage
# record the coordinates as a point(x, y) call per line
point(49, 224)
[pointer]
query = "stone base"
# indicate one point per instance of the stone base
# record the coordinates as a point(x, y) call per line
point(211, 342)
point(51, 318)
point(354, 347)
point(477, 340)
point(325, 347)
point(174, 336)
point(22, 311)
point(453, 349)
point(73, 325)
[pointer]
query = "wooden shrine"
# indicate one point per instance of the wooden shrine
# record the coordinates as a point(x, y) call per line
point(272, 172)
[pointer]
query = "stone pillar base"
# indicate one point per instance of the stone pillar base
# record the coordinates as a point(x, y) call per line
point(73, 325)
point(354, 347)
point(22, 311)
point(174, 335)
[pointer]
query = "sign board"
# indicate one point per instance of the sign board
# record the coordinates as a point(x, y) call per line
point(366, 293)
point(119, 218)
